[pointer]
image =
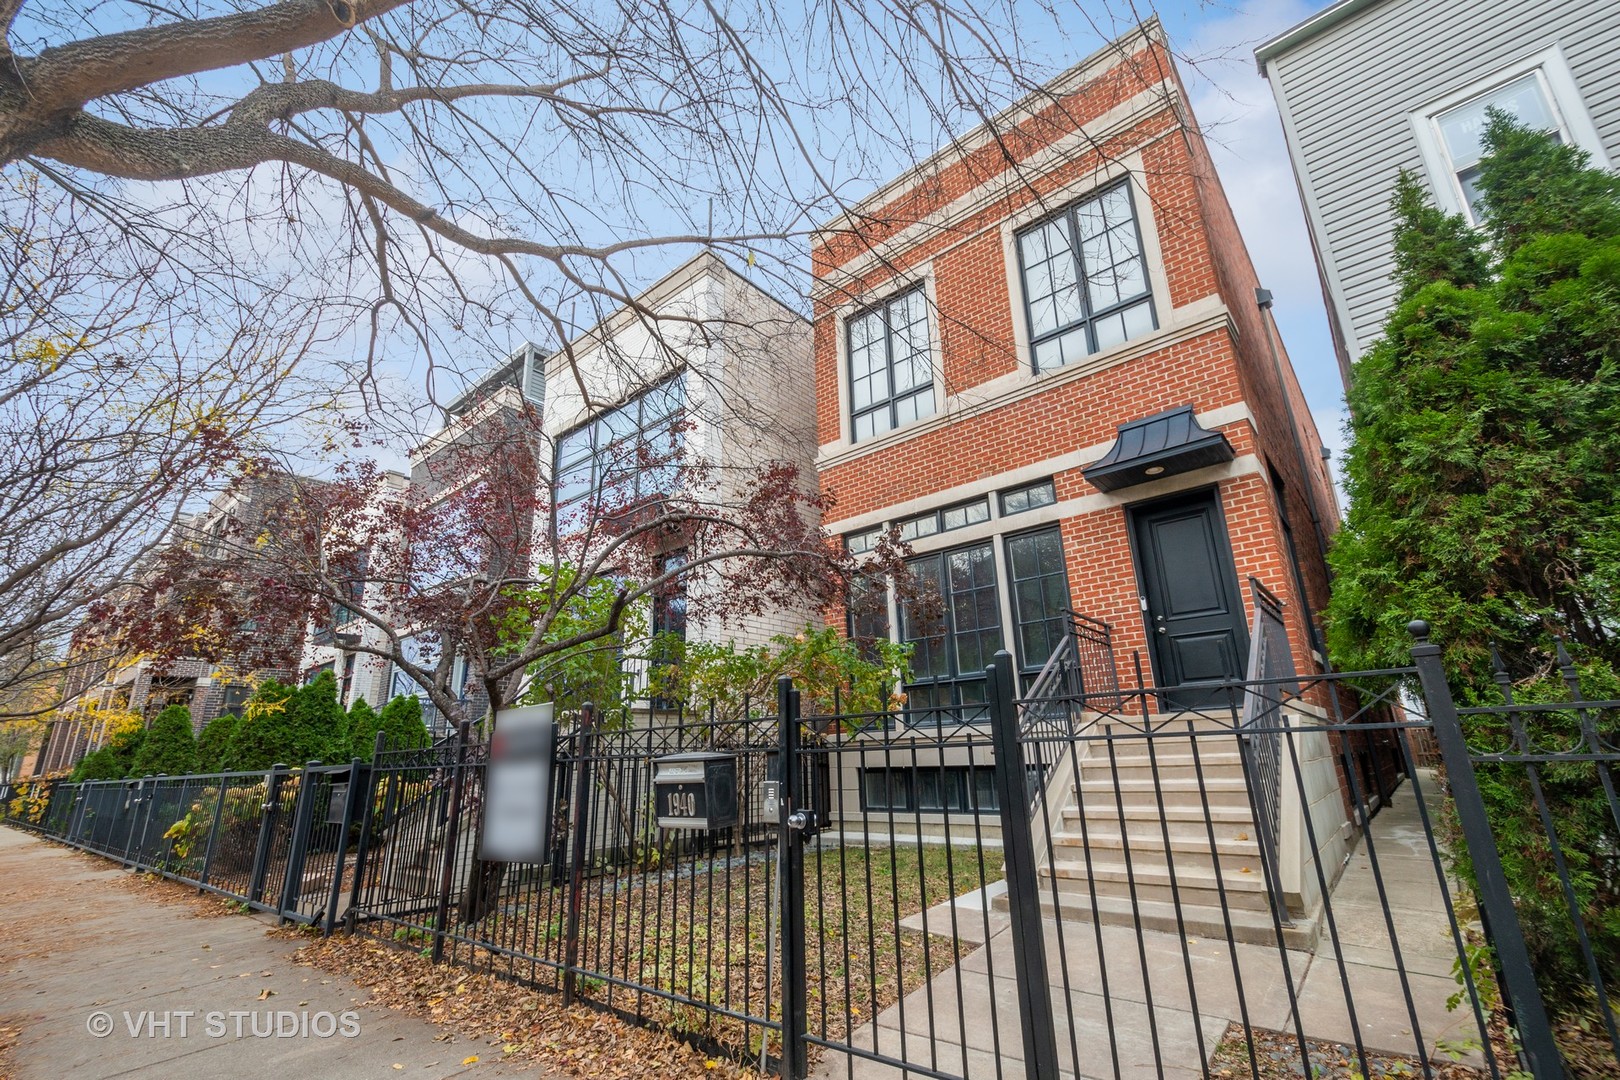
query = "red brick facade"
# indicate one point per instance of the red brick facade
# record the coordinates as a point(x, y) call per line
point(951, 224)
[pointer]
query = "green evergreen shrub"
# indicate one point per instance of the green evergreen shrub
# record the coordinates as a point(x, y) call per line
point(170, 748)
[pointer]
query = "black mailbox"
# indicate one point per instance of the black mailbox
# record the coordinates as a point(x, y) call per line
point(695, 791)
point(338, 802)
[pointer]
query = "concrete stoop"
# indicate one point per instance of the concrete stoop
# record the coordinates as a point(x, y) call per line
point(1156, 831)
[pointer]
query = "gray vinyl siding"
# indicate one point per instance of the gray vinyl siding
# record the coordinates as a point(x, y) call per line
point(1347, 95)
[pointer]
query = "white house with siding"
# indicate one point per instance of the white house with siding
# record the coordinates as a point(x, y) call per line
point(1369, 87)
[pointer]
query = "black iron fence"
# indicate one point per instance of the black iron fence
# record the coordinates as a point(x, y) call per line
point(274, 840)
point(1092, 880)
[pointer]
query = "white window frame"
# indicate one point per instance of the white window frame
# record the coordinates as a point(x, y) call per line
point(1563, 96)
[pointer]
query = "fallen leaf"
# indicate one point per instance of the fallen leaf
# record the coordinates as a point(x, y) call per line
point(397, 1065)
point(266, 993)
point(470, 1059)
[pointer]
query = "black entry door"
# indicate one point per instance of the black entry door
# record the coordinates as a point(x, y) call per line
point(1194, 609)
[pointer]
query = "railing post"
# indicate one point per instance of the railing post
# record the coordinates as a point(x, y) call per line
point(790, 853)
point(133, 817)
point(298, 844)
point(368, 815)
point(1037, 1024)
point(213, 832)
point(261, 851)
point(579, 823)
point(1495, 897)
point(452, 831)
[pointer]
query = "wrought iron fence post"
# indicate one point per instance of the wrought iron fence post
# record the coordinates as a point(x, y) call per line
point(1495, 897)
point(298, 844)
point(1035, 1019)
point(452, 832)
point(368, 814)
point(790, 852)
point(261, 852)
point(579, 824)
point(134, 816)
point(213, 832)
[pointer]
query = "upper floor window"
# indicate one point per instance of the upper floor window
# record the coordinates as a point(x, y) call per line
point(1462, 130)
point(1539, 93)
point(625, 454)
point(1085, 280)
point(891, 374)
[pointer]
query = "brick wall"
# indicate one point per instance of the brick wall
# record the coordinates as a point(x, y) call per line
point(949, 223)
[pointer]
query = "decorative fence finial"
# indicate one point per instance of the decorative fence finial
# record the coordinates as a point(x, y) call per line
point(1419, 631)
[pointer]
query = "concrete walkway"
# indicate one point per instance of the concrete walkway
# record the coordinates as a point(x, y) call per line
point(965, 1023)
point(78, 951)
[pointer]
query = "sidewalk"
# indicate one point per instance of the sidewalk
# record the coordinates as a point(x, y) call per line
point(75, 943)
point(933, 1025)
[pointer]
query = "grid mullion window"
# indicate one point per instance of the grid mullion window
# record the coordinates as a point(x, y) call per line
point(891, 373)
point(1085, 279)
point(1040, 594)
point(624, 454)
point(955, 643)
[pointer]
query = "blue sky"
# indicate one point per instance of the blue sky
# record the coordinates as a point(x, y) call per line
point(1235, 106)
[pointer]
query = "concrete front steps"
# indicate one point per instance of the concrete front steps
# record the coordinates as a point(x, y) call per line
point(1154, 828)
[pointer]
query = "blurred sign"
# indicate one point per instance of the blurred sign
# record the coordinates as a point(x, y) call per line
point(517, 790)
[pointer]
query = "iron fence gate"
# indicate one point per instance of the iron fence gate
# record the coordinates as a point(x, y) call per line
point(1163, 912)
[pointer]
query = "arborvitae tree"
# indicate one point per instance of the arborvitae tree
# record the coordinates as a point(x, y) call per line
point(97, 765)
point(364, 723)
point(1484, 468)
point(402, 725)
point(170, 748)
point(113, 761)
point(263, 737)
point(292, 726)
point(1484, 477)
point(320, 724)
point(213, 745)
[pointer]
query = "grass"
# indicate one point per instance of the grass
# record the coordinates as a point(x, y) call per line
point(699, 933)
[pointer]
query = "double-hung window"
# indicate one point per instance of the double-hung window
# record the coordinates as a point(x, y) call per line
point(891, 372)
point(623, 455)
point(1462, 129)
point(1539, 93)
point(954, 626)
point(1085, 279)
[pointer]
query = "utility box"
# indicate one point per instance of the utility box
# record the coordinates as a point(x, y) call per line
point(695, 791)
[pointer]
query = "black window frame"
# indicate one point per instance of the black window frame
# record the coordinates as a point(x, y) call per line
point(889, 401)
point(1026, 665)
point(597, 451)
point(1089, 318)
point(1024, 489)
point(967, 778)
point(938, 518)
point(949, 696)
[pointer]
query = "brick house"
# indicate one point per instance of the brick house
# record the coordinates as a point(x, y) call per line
point(100, 682)
point(1044, 357)
point(1108, 439)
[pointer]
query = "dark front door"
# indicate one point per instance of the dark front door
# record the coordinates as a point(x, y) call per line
point(1194, 611)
